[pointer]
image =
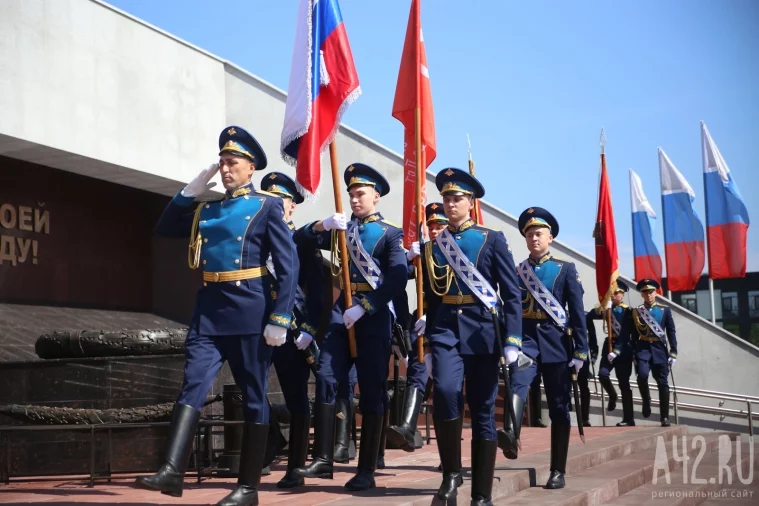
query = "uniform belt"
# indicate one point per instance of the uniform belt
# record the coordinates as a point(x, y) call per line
point(650, 339)
point(221, 277)
point(459, 299)
point(359, 287)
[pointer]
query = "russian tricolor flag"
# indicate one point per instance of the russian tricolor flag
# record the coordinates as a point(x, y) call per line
point(726, 215)
point(647, 258)
point(323, 83)
point(683, 231)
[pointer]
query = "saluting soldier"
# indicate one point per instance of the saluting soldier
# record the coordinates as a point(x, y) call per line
point(417, 373)
point(467, 267)
point(654, 326)
point(291, 360)
point(231, 239)
point(553, 333)
point(378, 274)
point(620, 358)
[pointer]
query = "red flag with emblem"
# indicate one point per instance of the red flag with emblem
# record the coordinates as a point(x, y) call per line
point(607, 256)
point(413, 92)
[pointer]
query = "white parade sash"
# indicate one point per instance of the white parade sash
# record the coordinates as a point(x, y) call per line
point(649, 320)
point(300, 297)
point(466, 270)
point(543, 295)
point(364, 261)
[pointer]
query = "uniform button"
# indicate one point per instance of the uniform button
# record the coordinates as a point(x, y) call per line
point(538, 325)
point(246, 197)
point(237, 283)
point(208, 205)
point(353, 292)
point(202, 221)
point(354, 275)
point(205, 240)
point(239, 239)
point(460, 311)
point(205, 284)
point(204, 262)
point(247, 217)
point(237, 260)
point(458, 237)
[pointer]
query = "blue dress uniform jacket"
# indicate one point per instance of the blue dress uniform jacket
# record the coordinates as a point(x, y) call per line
point(382, 240)
point(474, 332)
point(238, 232)
point(648, 346)
point(620, 343)
point(461, 329)
point(541, 336)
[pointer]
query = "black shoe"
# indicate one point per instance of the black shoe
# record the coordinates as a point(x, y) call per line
point(383, 441)
point(608, 387)
point(555, 480)
point(371, 435)
point(296, 452)
point(586, 423)
point(343, 426)
point(169, 479)
point(559, 450)
point(645, 396)
point(402, 436)
point(628, 414)
point(252, 457)
point(664, 407)
point(507, 439)
point(483, 467)
point(448, 434)
point(324, 444)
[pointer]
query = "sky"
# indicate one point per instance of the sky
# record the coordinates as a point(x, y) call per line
point(533, 83)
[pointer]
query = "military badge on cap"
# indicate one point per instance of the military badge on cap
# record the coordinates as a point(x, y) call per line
point(237, 141)
point(282, 185)
point(647, 284)
point(434, 213)
point(359, 174)
point(538, 217)
point(453, 181)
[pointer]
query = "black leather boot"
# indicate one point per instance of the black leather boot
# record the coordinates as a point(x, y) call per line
point(664, 407)
point(324, 444)
point(402, 436)
point(559, 450)
point(343, 426)
point(448, 435)
point(371, 434)
point(585, 407)
point(536, 407)
point(507, 439)
point(383, 441)
point(252, 455)
point(483, 467)
point(608, 386)
point(169, 479)
point(296, 452)
point(645, 396)
point(628, 415)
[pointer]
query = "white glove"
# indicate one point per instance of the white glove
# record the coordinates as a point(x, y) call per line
point(512, 354)
point(275, 335)
point(414, 251)
point(611, 356)
point(577, 364)
point(352, 315)
point(671, 361)
point(304, 339)
point(397, 352)
point(337, 221)
point(200, 184)
point(428, 364)
point(421, 325)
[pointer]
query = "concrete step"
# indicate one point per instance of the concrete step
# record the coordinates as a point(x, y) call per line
point(680, 489)
point(514, 476)
point(601, 483)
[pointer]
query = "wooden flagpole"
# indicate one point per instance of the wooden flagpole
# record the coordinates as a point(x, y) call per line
point(420, 172)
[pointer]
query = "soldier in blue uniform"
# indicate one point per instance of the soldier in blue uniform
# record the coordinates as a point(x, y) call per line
point(417, 373)
point(620, 357)
point(554, 334)
point(467, 267)
point(235, 319)
point(378, 275)
point(654, 326)
point(291, 360)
